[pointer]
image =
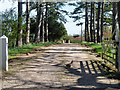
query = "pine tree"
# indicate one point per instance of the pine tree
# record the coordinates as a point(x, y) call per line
point(19, 33)
point(27, 21)
point(98, 22)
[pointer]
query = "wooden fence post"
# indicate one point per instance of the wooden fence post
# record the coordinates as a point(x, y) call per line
point(118, 47)
point(119, 55)
point(118, 44)
point(102, 49)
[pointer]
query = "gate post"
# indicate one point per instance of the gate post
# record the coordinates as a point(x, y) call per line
point(63, 41)
point(68, 41)
point(4, 52)
point(0, 64)
point(119, 56)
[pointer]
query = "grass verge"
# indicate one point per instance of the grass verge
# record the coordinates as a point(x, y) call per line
point(26, 48)
point(96, 46)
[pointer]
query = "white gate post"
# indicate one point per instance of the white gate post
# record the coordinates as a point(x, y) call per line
point(63, 41)
point(68, 41)
point(0, 63)
point(0, 54)
point(4, 52)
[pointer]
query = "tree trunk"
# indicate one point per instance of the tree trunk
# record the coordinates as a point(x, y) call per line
point(81, 33)
point(46, 23)
point(19, 33)
point(118, 10)
point(102, 16)
point(87, 23)
point(27, 21)
point(113, 19)
point(98, 23)
point(94, 19)
point(42, 28)
point(85, 26)
point(91, 22)
point(39, 14)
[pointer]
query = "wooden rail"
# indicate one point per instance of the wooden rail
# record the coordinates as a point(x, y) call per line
point(110, 51)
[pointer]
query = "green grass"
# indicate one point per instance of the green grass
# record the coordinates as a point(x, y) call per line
point(96, 46)
point(26, 48)
point(10, 71)
point(75, 41)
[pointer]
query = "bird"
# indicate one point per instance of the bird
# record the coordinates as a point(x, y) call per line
point(108, 68)
point(82, 44)
point(27, 53)
point(93, 50)
point(86, 45)
point(103, 65)
point(98, 55)
point(36, 49)
point(69, 65)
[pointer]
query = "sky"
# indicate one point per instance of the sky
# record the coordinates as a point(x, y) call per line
point(70, 26)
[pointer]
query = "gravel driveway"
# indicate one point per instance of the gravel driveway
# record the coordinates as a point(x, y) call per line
point(46, 68)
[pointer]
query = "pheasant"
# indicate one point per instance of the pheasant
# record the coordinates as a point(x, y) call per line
point(69, 65)
point(98, 55)
point(27, 53)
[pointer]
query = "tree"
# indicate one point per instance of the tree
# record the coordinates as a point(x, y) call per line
point(39, 15)
point(55, 21)
point(94, 19)
point(19, 33)
point(46, 23)
point(56, 30)
point(91, 33)
point(33, 25)
point(98, 22)
point(78, 14)
point(27, 21)
point(102, 16)
point(9, 26)
point(114, 19)
point(42, 26)
point(86, 23)
point(118, 10)
point(81, 31)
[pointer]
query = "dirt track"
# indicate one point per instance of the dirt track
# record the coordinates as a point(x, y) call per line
point(46, 68)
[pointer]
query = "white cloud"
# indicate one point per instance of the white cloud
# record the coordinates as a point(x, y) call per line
point(72, 28)
point(6, 4)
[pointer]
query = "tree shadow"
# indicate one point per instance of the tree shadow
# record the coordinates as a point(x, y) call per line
point(89, 72)
point(92, 77)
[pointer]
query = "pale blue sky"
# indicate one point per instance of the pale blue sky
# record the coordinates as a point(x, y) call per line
point(70, 25)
